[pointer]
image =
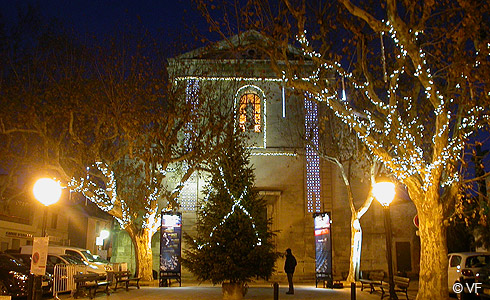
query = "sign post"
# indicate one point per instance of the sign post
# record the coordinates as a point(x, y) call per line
point(323, 248)
point(39, 255)
point(38, 266)
point(170, 248)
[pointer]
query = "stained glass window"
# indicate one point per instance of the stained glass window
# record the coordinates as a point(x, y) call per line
point(250, 112)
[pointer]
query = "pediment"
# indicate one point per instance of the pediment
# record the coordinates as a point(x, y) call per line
point(246, 45)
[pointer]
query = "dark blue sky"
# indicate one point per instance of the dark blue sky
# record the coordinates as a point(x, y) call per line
point(102, 16)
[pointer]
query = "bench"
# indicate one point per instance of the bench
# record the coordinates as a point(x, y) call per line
point(401, 286)
point(125, 277)
point(167, 276)
point(326, 278)
point(374, 278)
point(89, 282)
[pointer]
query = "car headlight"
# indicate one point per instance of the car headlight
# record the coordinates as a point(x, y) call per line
point(19, 276)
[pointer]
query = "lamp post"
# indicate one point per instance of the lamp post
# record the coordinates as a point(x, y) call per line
point(384, 192)
point(47, 191)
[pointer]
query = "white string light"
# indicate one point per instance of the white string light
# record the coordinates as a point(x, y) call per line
point(273, 154)
point(313, 179)
point(188, 194)
point(237, 203)
point(408, 157)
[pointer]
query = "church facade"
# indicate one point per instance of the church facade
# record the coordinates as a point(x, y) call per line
point(296, 183)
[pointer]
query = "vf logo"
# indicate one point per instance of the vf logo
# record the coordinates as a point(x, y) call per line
point(472, 288)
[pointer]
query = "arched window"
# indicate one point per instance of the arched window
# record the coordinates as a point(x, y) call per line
point(250, 112)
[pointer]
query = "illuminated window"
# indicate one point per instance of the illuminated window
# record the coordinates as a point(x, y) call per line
point(249, 112)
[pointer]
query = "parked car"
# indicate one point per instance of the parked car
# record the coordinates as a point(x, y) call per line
point(47, 283)
point(95, 265)
point(74, 260)
point(14, 276)
point(463, 268)
point(52, 260)
point(65, 259)
point(483, 278)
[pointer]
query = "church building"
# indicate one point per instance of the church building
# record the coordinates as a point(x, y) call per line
point(295, 181)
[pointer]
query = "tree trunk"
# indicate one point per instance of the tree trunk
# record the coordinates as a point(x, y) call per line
point(433, 253)
point(355, 248)
point(144, 256)
point(233, 291)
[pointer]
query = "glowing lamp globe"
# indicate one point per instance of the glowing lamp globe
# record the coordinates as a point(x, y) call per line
point(384, 192)
point(47, 191)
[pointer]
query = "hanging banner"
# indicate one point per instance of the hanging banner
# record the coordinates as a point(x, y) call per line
point(323, 244)
point(170, 242)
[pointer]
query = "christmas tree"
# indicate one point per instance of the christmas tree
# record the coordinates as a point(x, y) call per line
point(233, 241)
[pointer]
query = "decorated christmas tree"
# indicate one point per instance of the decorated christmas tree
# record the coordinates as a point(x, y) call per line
point(233, 241)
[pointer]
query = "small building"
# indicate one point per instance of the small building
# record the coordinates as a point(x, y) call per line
point(69, 222)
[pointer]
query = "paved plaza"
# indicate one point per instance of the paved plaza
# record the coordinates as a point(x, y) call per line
point(260, 291)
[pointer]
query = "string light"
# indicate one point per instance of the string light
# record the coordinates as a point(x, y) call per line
point(188, 191)
point(107, 198)
point(237, 203)
point(406, 158)
point(313, 179)
point(344, 96)
point(227, 78)
point(188, 194)
point(273, 154)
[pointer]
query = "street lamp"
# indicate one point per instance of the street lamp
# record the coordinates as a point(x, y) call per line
point(47, 191)
point(99, 241)
point(384, 192)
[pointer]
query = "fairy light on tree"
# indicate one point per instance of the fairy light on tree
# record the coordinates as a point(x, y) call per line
point(118, 136)
point(411, 123)
point(233, 242)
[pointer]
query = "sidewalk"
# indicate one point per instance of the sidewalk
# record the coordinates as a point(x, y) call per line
point(256, 291)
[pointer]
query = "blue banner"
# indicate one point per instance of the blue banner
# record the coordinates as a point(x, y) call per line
point(323, 243)
point(170, 242)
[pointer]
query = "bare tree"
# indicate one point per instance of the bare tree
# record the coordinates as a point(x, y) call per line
point(416, 78)
point(416, 94)
point(103, 118)
point(339, 146)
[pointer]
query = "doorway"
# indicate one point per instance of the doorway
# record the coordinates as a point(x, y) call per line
point(403, 257)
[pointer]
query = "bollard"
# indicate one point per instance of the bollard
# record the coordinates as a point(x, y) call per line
point(34, 290)
point(276, 291)
point(352, 291)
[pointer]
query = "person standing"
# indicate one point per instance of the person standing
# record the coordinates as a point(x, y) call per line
point(289, 267)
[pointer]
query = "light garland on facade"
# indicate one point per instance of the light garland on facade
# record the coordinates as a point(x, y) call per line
point(313, 179)
point(227, 78)
point(283, 93)
point(254, 153)
point(188, 194)
point(192, 99)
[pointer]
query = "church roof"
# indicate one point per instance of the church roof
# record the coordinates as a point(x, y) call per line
point(246, 45)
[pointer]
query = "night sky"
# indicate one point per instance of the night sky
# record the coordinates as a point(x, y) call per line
point(103, 16)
